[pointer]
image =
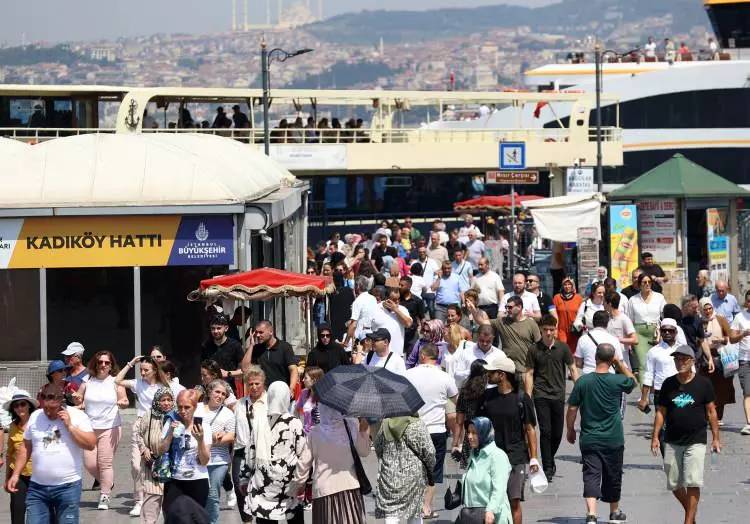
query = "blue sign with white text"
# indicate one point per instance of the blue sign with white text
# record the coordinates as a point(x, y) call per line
point(203, 240)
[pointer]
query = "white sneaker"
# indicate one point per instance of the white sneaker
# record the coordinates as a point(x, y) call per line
point(104, 502)
point(136, 511)
point(745, 429)
point(231, 499)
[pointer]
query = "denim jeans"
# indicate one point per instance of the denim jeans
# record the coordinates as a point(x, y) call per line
point(44, 502)
point(216, 475)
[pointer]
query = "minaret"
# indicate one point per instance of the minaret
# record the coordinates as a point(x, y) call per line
point(234, 15)
point(320, 9)
point(245, 25)
point(281, 9)
point(268, 13)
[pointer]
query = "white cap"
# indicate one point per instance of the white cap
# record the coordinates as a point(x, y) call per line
point(669, 322)
point(500, 363)
point(74, 348)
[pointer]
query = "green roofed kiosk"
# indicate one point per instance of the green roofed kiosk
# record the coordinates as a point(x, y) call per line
point(700, 209)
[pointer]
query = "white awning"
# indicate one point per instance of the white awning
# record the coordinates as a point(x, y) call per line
point(111, 170)
point(559, 218)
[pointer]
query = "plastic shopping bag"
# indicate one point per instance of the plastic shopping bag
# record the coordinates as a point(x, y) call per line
point(730, 359)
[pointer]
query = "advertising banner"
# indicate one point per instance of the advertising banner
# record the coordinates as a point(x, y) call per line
point(164, 240)
point(658, 230)
point(588, 255)
point(580, 180)
point(718, 244)
point(623, 242)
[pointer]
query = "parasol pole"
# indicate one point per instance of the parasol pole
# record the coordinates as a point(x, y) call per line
point(512, 233)
point(308, 322)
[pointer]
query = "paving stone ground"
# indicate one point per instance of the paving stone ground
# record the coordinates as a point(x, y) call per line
point(725, 498)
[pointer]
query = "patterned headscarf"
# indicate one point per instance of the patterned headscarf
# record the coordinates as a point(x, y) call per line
point(156, 407)
point(484, 430)
point(434, 331)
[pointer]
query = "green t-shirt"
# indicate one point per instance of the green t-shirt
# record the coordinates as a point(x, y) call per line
point(597, 396)
point(516, 338)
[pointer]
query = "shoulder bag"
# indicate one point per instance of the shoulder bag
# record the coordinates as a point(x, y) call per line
point(471, 516)
point(364, 483)
point(453, 498)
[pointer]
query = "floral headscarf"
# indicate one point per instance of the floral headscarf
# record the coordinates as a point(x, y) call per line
point(434, 331)
point(155, 406)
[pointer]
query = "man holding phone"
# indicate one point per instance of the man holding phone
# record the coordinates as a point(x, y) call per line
point(54, 438)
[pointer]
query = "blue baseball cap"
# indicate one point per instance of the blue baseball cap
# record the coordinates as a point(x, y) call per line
point(56, 365)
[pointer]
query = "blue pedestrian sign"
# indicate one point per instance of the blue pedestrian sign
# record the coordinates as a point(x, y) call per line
point(512, 155)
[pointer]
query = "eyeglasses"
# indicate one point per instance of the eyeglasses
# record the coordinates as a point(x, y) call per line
point(51, 397)
point(532, 281)
point(646, 282)
point(325, 335)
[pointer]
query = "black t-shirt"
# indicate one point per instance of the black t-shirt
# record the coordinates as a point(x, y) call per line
point(452, 248)
point(275, 362)
point(550, 369)
point(686, 419)
point(508, 419)
point(693, 329)
point(328, 358)
point(377, 256)
point(228, 355)
point(630, 291)
point(545, 302)
point(415, 307)
point(653, 270)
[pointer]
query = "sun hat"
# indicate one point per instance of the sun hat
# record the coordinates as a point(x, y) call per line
point(500, 363)
point(20, 394)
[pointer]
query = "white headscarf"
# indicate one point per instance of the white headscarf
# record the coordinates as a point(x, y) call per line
point(278, 402)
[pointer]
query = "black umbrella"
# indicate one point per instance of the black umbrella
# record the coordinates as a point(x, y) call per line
point(359, 391)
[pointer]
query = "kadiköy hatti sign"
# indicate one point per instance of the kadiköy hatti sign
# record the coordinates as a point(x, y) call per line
point(161, 240)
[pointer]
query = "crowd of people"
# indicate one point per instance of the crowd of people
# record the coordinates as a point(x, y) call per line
point(492, 368)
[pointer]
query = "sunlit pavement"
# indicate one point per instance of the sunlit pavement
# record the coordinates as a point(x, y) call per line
point(645, 500)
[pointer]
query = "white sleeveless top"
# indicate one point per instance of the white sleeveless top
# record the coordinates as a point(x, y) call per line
point(100, 401)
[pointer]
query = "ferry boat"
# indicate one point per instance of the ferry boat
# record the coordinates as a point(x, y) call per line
point(697, 104)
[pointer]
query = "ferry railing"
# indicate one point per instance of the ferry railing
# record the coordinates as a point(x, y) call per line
point(341, 136)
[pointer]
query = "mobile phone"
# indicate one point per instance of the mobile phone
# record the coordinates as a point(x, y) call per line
point(198, 421)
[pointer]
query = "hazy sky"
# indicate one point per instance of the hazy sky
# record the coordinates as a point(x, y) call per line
point(60, 20)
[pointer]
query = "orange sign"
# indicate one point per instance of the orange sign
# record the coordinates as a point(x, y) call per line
point(512, 177)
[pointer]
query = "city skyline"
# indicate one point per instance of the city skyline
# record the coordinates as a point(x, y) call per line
point(80, 20)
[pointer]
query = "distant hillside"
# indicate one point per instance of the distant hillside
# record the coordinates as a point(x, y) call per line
point(345, 74)
point(34, 54)
point(569, 17)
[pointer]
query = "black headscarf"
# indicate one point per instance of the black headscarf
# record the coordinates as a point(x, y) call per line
point(330, 344)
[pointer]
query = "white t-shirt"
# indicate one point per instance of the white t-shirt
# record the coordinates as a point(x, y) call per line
point(175, 386)
point(144, 394)
point(490, 286)
point(222, 420)
point(363, 309)
point(429, 267)
point(530, 303)
point(642, 312)
point(741, 322)
point(659, 365)
point(395, 363)
point(650, 48)
point(465, 356)
point(100, 401)
point(474, 251)
point(621, 326)
point(188, 465)
point(418, 286)
point(56, 457)
point(436, 387)
point(389, 320)
point(449, 361)
point(586, 348)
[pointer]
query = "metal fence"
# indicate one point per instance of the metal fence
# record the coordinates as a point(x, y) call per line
point(30, 375)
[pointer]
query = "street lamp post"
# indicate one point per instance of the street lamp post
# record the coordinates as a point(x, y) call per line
point(266, 59)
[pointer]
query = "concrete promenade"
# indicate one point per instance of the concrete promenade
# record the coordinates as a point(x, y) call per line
point(725, 498)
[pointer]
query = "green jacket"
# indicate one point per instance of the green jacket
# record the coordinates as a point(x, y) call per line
point(485, 483)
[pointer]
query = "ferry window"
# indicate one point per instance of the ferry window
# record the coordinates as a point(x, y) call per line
point(22, 110)
point(19, 314)
point(335, 192)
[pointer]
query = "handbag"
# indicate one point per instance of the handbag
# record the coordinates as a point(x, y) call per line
point(730, 359)
point(161, 467)
point(453, 498)
point(364, 483)
point(471, 516)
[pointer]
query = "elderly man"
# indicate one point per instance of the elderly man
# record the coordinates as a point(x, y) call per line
point(247, 409)
point(435, 250)
point(490, 287)
point(725, 304)
point(55, 438)
point(449, 289)
point(474, 249)
point(705, 287)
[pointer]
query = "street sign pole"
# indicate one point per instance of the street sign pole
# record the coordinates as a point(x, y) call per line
point(512, 235)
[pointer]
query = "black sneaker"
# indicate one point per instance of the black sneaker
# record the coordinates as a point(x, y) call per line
point(591, 518)
point(618, 516)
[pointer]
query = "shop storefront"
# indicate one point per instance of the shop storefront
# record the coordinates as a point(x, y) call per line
point(105, 252)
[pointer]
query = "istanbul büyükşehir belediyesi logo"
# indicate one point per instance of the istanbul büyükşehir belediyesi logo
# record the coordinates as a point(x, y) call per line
point(201, 233)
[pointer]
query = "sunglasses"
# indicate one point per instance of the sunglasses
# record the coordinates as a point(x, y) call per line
point(668, 330)
point(325, 335)
point(51, 397)
point(104, 362)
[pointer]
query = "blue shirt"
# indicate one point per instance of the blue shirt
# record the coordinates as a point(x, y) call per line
point(464, 271)
point(727, 308)
point(449, 290)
